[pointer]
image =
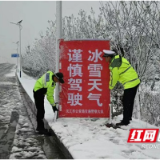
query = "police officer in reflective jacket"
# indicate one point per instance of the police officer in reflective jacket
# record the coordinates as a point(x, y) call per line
point(45, 85)
point(122, 71)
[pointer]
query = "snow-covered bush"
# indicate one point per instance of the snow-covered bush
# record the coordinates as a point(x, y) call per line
point(150, 106)
point(134, 29)
point(41, 57)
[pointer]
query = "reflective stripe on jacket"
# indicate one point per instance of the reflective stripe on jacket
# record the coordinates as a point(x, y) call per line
point(122, 71)
point(46, 82)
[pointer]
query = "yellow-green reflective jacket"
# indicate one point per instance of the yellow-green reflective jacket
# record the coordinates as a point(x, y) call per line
point(122, 71)
point(46, 82)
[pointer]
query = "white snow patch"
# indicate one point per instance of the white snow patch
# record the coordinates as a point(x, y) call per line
point(11, 74)
point(15, 149)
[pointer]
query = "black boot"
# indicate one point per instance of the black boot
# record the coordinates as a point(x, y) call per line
point(43, 131)
point(122, 123)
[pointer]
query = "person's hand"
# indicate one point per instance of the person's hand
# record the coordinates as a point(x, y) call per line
point(54, 108)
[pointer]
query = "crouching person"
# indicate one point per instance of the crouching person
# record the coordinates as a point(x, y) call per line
point(45, 85)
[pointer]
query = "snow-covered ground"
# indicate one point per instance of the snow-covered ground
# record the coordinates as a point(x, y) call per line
point(17, 137)
point(90, 139)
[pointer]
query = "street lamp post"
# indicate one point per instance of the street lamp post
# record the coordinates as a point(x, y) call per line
point(17, 53)
point(20, 27)
point(58, 36)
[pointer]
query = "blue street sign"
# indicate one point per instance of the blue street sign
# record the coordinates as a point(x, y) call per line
point(15, 55)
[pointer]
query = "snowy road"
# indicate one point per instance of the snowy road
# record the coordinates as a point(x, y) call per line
point(17, 137)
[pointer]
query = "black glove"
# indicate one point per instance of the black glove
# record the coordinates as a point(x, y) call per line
point(54, 108)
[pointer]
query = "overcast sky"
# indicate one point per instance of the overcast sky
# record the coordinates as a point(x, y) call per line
point(35, 16)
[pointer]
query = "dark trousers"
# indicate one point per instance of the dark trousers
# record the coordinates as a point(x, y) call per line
point(128, 103)
point(39, 102)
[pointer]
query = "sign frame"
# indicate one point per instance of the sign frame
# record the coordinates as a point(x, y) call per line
point(93, 83)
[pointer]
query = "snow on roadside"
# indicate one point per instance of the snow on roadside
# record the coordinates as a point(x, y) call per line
point(89, 138)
